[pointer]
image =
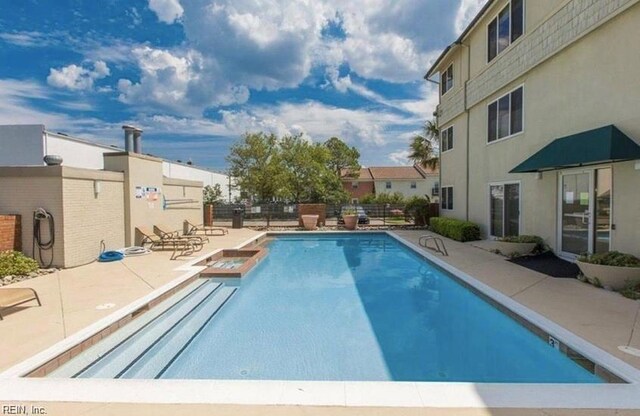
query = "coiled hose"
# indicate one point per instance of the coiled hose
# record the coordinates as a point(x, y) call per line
point(39, 216)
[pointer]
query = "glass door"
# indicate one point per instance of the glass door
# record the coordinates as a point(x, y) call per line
point(504, 209)
point(576, 213)
point(602, 233)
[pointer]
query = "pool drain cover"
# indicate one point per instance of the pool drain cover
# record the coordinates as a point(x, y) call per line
point(105, 306)
point(629, 350)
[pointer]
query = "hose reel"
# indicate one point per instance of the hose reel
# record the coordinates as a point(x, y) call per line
point(41, 216)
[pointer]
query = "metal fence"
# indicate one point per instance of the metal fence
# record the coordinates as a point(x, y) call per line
point(287, 214)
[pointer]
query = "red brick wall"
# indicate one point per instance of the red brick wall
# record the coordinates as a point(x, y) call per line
point(10, 233)
point(312, 209)
point(364, 188)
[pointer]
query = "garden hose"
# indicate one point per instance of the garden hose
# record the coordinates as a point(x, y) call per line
point(41, 215)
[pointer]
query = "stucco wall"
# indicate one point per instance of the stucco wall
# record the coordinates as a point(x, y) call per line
point(207, 177)
point(423, 186)
point(589, 84)
point(178, 209)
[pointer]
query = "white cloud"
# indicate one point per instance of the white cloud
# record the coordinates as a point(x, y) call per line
point(467, 10)
point(400, 157)
point(74, 77)
point(168, 11)
point(29, 39)
point(234, 46)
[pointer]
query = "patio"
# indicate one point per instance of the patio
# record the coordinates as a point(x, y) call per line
point(71, 297)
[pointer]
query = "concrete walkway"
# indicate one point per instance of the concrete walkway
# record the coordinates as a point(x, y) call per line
point(75, 298)
point(604, 318)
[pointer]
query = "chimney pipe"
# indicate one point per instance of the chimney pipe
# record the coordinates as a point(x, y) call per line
point(128, 137)
point(137, 141)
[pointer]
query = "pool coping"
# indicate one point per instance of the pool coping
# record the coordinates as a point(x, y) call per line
point(16, 387)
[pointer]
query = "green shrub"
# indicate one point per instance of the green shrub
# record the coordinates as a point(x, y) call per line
point(611, 258)
point(418, 207)
point(455, 229)
point(14, 263)
point(527, 239)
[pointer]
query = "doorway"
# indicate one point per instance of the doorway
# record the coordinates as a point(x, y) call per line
point(584, 211)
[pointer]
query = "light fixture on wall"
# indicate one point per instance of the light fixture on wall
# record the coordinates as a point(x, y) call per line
point(538, 175)
point(637, 164)
point(97, 187)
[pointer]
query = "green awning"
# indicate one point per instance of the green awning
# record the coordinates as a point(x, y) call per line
point(602, 145)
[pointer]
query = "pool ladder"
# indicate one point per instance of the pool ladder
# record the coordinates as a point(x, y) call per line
point(439, 244)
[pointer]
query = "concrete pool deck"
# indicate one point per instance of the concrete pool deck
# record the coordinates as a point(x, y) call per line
point(70, 298)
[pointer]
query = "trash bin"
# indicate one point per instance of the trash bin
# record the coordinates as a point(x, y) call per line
point(238, 216)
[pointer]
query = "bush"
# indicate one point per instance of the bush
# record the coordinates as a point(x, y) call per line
point(418, 207)
point(611, 258)
point(455, 229)
point(14, 263)
point(527, 239)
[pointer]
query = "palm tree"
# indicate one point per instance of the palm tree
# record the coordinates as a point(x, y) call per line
point(423, 148)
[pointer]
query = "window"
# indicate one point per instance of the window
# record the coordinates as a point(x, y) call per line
point(446, 79)
point(447, 139)
point(504, 209)
point(505, 116)
point(354, 185)
point(446, 201)
point(414, 185)
point(505, 29)
point(388, 185)
point(435, 191)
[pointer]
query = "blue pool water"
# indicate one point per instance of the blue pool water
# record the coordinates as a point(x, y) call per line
point(364, 307)
point(329, 307)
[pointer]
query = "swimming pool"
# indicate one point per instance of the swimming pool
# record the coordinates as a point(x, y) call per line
point(352, 307)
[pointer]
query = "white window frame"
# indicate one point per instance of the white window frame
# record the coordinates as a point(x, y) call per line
point(413, 185)
point(452, 133)
point(494, 18)
point(498, 124)
point(354, 185)
point(502, 183)
point(387, 185)
point(443, 80)
point(442, 198)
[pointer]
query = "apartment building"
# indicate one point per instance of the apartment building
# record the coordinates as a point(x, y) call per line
point(408, 180)
point(540, 123)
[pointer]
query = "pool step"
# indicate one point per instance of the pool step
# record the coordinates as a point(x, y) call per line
point(115, 361)
point(102, 348)
point(157, 359)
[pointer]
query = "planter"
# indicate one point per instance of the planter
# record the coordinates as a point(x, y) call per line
point(350, 221)
point(508, 249)
point(614, 277)
point(310, 222)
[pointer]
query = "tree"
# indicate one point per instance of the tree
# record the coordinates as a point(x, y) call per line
point(422, 146)
point(254, 163)
point(307, 173)
point(342, 157)
point(212, 194)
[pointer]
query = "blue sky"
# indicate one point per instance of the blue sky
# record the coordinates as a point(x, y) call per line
point(197, 74)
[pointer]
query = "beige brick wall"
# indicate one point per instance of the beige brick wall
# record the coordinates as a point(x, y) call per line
point(91, 217)
point(21, 192)
point(144, 171)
